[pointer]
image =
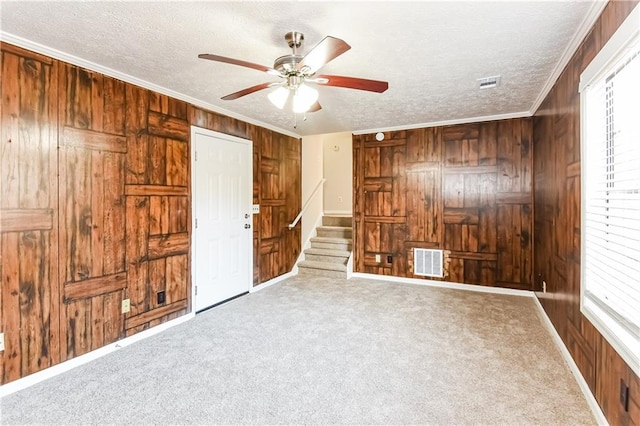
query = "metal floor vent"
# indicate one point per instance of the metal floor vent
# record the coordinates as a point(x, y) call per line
point(428, 262)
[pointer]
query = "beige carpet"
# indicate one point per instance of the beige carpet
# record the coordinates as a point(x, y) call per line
point(327, 351)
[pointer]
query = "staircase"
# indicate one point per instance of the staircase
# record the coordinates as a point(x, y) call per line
point(330, 248)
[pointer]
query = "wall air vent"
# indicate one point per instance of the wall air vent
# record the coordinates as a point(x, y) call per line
point(489, 82)
point(428, 263)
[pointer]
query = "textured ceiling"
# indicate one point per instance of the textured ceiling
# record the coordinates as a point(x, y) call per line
point(431, 53)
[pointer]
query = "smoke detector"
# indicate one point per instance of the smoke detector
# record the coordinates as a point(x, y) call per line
point(489, 82)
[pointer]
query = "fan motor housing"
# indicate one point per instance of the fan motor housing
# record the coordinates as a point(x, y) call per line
point(287, 64)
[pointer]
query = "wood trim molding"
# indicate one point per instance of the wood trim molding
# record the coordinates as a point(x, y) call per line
point(93, 140)
point(94, 287)
point(19, 220)
point(162, 190)
point(168, 245)
point(155, 314)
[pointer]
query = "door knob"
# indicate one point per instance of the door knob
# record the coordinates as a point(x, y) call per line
point(247, 226)
point(246, 215)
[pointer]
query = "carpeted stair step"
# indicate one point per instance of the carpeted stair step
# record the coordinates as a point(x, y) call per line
point(334, 231)
point(346, 221)
point(330, 249)
point(331, 243)
point(327, 255)
point(326, 269)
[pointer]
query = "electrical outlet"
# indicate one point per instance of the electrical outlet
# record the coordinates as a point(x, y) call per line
point(126, 306)
point(389, 259)
point(1, 342)
point(162, 297)
point(378, 258)
point(339, 199)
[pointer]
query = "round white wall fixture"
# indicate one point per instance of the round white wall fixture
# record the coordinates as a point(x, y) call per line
point(379, 136)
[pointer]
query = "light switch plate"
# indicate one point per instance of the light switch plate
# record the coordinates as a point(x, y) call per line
point(1, 342)
point(255, 209)
point(126, 306)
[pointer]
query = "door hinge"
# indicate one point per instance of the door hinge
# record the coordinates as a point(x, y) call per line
point(195, 154)
point(196, 290)
point(196, 223)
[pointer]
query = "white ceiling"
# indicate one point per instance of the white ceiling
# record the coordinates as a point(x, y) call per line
point(431, 53)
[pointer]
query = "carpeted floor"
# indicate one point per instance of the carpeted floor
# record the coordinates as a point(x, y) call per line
point(327, 351)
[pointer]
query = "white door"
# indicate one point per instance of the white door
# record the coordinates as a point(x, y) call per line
point(222, 256)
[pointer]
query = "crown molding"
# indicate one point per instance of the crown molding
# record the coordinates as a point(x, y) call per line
point(468, 120)
point(587, 23)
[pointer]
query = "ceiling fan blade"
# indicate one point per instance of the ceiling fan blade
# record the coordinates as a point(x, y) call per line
point(239, 62)
point(248, 91)
point(315, 107)
point(328, 49)
point(351, 83)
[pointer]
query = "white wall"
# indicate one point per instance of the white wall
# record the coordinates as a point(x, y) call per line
point(311, 175)
point(338, 170)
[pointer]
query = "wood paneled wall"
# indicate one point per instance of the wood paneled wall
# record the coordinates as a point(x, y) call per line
point(96, 208)
point(557, 227)
point(465, 189)
point(30, 290)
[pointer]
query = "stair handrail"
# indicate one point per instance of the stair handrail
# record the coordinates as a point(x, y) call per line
point(306, 204)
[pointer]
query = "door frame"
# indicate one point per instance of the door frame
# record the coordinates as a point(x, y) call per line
point(230, 138)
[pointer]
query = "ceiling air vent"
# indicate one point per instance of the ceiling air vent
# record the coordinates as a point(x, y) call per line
point(489, 82)
point(427, 262)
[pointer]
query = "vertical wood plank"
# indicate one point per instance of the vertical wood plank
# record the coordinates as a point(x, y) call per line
point(112, 323)
point(165, 213)
point(32, 174)
point(10, 132)
point(155, 215)
point(137, 101)
point(13, 353)
point(137, 229)
point(79, 98)
point(177, 270)
point(157, 160)
point(177, 163)
point(178, 213)
point(114, 217)
point(96, 225)
point(34, 301)
point(97, 102)
point(76, 213)
point(97, 322)
point(488, 144)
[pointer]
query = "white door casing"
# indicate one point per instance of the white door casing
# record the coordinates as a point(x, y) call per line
point(222, 238)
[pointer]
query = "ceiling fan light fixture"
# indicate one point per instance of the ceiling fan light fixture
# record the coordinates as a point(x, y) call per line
point(303, 98)
point(279, 97)
point(295, 69)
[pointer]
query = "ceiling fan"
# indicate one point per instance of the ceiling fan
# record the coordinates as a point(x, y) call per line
point(295, 71)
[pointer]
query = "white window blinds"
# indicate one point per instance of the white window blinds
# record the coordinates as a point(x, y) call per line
point(611, 201)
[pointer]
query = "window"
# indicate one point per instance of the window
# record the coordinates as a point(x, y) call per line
point(610, 134)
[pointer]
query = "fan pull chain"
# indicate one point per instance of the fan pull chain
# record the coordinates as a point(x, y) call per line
point(295, 119)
